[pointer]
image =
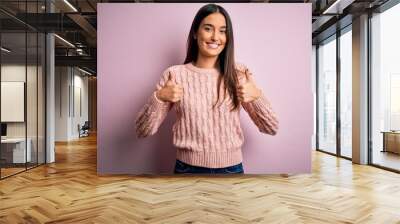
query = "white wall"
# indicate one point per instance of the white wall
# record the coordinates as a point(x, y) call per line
point(81, 103)
point(62, 80)
point(71, 93)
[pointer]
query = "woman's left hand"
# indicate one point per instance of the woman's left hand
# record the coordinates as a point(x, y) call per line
point(248, 91)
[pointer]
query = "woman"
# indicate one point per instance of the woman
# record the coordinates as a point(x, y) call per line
point(207, 92)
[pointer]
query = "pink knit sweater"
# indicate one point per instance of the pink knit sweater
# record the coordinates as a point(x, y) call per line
point(204, 136)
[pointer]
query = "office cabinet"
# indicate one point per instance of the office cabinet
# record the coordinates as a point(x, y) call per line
point(391, 142)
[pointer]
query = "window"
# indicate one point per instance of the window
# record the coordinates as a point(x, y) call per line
point(346, 93)
point(327, 96)
point(385, 88)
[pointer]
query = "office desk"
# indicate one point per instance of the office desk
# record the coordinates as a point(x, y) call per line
point(13, 150)
point(391, 141)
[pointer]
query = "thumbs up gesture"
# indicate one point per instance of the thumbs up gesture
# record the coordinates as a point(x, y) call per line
point(170, 92)
point(247, 91)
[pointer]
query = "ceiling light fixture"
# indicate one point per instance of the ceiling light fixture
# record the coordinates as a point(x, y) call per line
point(86, 72)
point(337, 7)
point(70, 5)
point(65, 41)
point(5, 49)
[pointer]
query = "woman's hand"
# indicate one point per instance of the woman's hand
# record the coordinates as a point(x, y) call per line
point(170, 92)
point(248, 91)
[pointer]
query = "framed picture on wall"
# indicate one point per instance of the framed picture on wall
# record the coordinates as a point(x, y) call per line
point(12, 101)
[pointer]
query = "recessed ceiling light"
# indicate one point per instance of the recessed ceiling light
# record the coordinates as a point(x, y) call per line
point(5, 49)
point(64, 40)
point(337, 7)
point(86, 72)
point(70, 5)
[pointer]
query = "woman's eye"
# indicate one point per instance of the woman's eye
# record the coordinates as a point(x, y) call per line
point(207, 28)
point(223, 31)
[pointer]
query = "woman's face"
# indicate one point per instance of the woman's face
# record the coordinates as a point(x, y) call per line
point(211, 35)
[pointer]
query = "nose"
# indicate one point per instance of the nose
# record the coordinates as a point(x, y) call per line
point(214, 36)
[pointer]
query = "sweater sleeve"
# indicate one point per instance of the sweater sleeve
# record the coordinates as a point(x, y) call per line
point(153, 112)
point(261, 113)
point(259, 110)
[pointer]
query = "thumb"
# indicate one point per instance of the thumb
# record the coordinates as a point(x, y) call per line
point(249, 77)
point(170, 80)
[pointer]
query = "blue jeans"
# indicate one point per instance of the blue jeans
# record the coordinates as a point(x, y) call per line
point(181, 168)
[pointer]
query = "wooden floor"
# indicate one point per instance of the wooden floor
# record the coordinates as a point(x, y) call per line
point(69, 191)
point(5, 172)
point(387, 159)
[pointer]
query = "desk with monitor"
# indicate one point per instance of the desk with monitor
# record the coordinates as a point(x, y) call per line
point(13, 149)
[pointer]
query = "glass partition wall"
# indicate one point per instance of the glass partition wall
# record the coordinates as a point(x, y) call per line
point(22, 88)
point(334, 94)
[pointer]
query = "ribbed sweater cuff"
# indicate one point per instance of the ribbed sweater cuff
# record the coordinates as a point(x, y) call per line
point(157, 103)
point(260, 103)
point(210, 159)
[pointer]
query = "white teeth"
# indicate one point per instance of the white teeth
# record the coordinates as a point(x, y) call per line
point(214, 46)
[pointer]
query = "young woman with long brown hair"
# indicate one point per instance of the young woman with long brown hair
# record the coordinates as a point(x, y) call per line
point(207, 92)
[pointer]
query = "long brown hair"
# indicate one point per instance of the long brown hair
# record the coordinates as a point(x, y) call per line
point(226, 58)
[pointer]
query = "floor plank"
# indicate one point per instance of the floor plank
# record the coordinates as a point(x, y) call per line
point(69, 191)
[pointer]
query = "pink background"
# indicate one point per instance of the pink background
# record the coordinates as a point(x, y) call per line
point(136, 42)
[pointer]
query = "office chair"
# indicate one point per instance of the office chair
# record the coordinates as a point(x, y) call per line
point(84, 130)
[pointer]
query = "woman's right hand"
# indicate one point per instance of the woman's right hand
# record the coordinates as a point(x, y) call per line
point(171, 92)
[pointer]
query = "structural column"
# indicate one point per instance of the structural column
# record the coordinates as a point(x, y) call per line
point(50, 92)
point(360, 90)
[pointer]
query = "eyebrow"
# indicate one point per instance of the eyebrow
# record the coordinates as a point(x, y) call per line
point(208, 24)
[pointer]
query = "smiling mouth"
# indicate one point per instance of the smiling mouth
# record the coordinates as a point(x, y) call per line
point(213, 45)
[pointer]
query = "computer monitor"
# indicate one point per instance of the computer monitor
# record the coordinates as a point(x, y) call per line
point(3, 129)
